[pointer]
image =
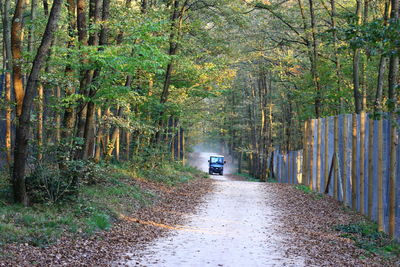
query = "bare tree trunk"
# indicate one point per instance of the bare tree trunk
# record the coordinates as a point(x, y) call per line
point(128, 145)
point(8, 81)
point(83, 41)
point(99, 137)
point(40, 121)
point(356, 66)
point(58, 117)
point(31, 36)
point(381, 70)
point(16, 48)
point(312, 52)
point(314, 62)
point(337, 58)
point(117, 145)
point(113, 139)
point(45, 8)
point(23, 128)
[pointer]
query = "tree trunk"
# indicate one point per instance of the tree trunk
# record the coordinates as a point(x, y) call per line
point(356, 66)
point(173, 49)
point(8, 81)
point(16, 48)
point(99, 137)
point(83, 81)
point(40, 121)
point(94, 40)
point(381, 70)
point(314, 63)
point(69, 112)
point(31, 36)
point(23, 128)
point(337, 58)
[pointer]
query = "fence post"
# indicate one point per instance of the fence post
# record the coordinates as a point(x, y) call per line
point(335, 152)
point(370, 166)
point(362, 159)
point(319, 139)
point(326, 160)
point(305, 150)
point(392, 176)
point(310, 184)
point(294, 177)
point(354, 164)
point(380, 174)
point(345, 136)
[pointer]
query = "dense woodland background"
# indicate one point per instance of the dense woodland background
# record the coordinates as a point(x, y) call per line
point(87, 82)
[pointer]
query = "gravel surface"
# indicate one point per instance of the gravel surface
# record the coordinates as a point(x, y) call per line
point(233, 227)
point(257, 224)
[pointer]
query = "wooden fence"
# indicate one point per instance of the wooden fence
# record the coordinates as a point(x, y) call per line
point(352, 158)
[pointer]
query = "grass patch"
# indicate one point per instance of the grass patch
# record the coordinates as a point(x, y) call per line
point(307, 190)
point(95, 209)
point(366, 236)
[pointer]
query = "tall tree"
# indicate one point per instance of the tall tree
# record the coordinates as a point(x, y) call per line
point(356, 64)
point(16, 48)
point(23, 127)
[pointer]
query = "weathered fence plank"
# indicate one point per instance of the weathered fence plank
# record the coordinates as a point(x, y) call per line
point(319, 141)
point(335, 152)
point(380, 176)
point(362, 161)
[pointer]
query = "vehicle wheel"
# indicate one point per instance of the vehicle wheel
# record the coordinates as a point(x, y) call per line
point(221, 173)
point(210, 172)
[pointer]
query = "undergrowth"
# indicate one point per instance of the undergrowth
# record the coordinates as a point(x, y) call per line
point(94, 209)
point(366, 236)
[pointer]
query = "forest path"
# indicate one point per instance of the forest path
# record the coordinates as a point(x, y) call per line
point(242, 223)
point(234, 226)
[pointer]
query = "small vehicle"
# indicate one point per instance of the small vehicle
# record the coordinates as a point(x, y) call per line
point(216, 164)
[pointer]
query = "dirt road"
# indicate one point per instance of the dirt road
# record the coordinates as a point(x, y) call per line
point(233, 227)
point(242, 224)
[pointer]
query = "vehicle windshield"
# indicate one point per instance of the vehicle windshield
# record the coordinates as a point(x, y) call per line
point(216, 160)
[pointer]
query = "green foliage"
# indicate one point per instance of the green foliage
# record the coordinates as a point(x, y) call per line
point(365, 234)
point(171, 173)
point(52, 183)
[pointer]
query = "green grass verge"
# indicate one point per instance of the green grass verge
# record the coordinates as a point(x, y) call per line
point(95, 209)
point(307, 190)
point(366, 236)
